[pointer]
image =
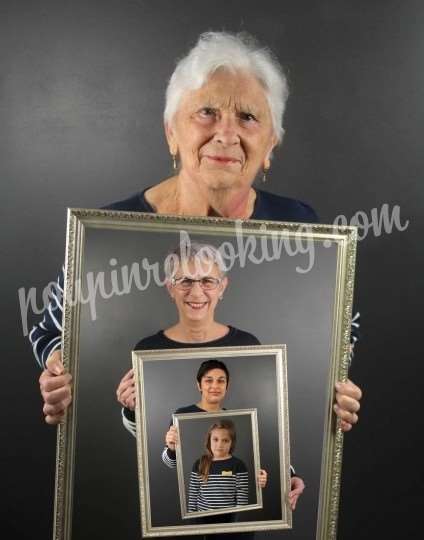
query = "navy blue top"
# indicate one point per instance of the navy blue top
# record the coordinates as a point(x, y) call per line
point(267, 207)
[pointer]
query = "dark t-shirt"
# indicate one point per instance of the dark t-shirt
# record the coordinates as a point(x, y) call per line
point(234, 337)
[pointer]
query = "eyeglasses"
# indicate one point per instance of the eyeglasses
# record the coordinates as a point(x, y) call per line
point(185, 283)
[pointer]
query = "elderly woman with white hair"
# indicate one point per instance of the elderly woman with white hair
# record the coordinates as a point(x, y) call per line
point(223, 118)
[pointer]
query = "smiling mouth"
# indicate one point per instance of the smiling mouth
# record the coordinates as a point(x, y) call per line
point(223, 159)
point(196, 305)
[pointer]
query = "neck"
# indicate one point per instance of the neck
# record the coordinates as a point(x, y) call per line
point(184, 195)
point(198, 200)
point(221, 458)
point(196, 331)
point(209, 407)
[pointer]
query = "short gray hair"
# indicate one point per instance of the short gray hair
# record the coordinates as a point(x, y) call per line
point(240, 51)
point(193, 250)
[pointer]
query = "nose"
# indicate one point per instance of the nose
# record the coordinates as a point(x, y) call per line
point(226, 131)
point(196, 289)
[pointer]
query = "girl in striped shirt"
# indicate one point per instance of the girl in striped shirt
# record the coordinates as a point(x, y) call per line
point(218, 479)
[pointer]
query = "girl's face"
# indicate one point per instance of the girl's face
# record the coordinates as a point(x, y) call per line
point(220, 441)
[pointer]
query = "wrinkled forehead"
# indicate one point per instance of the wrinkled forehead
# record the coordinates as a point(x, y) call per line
point(225, 89)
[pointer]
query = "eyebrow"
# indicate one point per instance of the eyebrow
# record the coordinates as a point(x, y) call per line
point(247, 108)
point(213, 103)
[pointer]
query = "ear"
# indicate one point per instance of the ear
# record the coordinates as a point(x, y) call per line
point(198, 386)
point(171, 139)
point(224, 284)
point(274, 143)
point(169, 289)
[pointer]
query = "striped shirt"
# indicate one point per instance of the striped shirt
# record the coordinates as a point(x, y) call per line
point(227, 486)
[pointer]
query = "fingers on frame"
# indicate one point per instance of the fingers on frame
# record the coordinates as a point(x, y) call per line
point(57, 408)
point(124, 387)
point(126, 394)
point(56, 396)
point(351, 389)
point(348, 403)
point(347, 416)
point(50, 383)
point(53, 420)
point(345, 426)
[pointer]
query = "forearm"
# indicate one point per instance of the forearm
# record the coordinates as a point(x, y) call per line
point(128, 419)
point(45, 336)
point(169, 458)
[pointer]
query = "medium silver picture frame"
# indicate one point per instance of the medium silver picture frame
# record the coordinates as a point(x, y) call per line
point(270, 399)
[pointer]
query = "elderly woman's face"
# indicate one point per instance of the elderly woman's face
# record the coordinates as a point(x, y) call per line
point(223, 132)
point(191, 292)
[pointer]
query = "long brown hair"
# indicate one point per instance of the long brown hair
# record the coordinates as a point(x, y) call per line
point(206, 459)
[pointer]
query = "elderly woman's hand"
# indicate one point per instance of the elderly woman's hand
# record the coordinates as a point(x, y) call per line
point(55, 387)
point(347, 404)
point(171, 438)
point(125, 392)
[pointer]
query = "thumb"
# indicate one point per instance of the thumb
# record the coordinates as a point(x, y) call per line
point(54, 363)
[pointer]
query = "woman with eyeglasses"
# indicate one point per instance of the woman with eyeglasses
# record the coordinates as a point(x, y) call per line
point(196, 284)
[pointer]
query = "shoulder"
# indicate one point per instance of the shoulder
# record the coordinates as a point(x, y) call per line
point(241, 337)
point(188, 409)
point(238, 465)
point(154, 341)
point(279, 208)
point(134, 203)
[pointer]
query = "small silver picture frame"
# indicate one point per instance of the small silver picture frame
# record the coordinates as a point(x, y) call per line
point(252, 449)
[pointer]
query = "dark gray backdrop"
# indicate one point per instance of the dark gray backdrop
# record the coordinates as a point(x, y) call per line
point(81, 88)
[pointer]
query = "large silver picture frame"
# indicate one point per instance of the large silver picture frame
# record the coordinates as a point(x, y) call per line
point(261, 366)
point(291, 283)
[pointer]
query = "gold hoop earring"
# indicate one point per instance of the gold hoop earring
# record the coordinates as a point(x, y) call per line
point(264, 173)
point(174, 161)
